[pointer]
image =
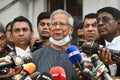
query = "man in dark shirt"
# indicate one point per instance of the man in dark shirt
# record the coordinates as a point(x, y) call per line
point(4, 50)
point(61, 28)
point(43, 25)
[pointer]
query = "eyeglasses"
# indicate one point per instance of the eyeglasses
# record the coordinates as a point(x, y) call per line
point(43, 24)
point(60, 24)
point(105, 20)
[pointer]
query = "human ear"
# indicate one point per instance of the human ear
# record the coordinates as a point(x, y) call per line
point(119, 24)
point(71, 30)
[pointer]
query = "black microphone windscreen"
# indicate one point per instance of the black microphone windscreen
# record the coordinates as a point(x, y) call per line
point(90, 48)
point(12, 53)
point(35, 75)
point(88, 74)
point(45, 76)
point(28, 58)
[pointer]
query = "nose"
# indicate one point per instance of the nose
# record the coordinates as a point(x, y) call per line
point(21, 32)
point(100, 23)
point(58, 26)
point(46, 27)
point(90, 28)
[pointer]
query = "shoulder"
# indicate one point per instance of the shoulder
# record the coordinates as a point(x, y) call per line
point(42, 50)
point(40, 53)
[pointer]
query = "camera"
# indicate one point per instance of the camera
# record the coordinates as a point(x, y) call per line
point(38, 44)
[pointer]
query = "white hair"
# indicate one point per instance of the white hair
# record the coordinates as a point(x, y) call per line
point(70, 20)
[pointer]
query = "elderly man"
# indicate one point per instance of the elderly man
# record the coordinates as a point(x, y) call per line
point(55, 54)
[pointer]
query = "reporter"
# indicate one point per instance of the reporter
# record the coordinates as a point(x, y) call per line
point(3, 59)
point(105, 56)
point(90, 35)
point(4, 50)
point(11, 73)
point(78, 72)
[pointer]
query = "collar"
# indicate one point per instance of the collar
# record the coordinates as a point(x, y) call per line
point(113, 45)
point(21, 52)
point(116, 39)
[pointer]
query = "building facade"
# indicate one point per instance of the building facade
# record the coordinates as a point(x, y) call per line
point(9, 9)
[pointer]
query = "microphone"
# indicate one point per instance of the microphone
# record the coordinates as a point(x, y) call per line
point(35, 75)
point(26, 59)
point(6, 70)
point(5, 66)
point(16, 61)
point(74, 56)
point(28, 69)
point(100, 69)
point(58, 73)
point(44, 76)
point(92, 48)
point(10, 54)
point(88, 74)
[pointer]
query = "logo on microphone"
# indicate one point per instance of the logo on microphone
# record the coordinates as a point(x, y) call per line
point(99, 69)
point(73, 53)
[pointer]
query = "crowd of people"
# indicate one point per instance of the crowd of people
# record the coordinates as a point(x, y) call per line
point(55, 36)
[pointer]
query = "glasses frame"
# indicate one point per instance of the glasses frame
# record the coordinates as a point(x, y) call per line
point(59, 24)
point(105, 20)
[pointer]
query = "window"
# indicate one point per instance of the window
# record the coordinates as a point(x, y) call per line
point(74, 7)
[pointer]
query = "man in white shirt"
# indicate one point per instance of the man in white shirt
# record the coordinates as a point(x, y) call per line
point(22, 33)
point(108, 21)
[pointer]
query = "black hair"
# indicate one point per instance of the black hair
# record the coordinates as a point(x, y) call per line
point(8, 25)
point(111, 10)
point(43, 15)
point(90, 16)
point(21, 19)
point(2, 29)
point(80, 26)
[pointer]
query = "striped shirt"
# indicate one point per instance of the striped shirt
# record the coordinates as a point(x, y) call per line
point(47, 57)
